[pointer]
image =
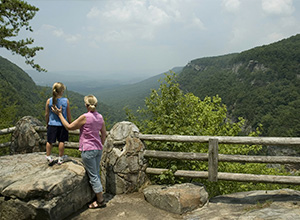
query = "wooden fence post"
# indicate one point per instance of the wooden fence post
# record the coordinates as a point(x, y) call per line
point(213, 160)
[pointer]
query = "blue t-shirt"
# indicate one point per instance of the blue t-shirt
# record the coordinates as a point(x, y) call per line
point(53, 118)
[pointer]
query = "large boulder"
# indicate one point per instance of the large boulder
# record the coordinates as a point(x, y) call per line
point(30, 189)
point(123, 165)
point(263, 204)
point(179, 198)
point(25, 139)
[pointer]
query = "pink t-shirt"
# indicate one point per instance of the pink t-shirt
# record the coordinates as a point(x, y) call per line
point(89, 138)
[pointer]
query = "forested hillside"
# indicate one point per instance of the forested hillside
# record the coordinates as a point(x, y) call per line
point(262, 85)
point(20, 96)
point(132, 95)
point(17, 90)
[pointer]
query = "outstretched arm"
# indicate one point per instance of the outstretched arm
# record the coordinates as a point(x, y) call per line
point(69, 113)
point(103, 133)
point(78, 123)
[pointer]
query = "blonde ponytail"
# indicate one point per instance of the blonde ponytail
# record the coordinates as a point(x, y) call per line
point(91, 102)
point(57, 89)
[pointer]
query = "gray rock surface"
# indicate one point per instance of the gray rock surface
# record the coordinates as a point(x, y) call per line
point(179, 198)
point(281, 204)
point(30, 189)
point(25, 139)
point(255, 205)
point(122, 164)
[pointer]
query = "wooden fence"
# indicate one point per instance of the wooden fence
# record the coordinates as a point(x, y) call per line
point(213, 157)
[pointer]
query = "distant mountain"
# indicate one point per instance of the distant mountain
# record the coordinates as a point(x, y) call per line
point(261, 85)
point(131, 95)
point(17, 87)
point(84, 82)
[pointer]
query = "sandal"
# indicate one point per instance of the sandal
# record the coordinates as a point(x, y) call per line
point(97, 205)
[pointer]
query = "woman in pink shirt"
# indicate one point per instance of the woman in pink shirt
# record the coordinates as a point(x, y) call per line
point(90, 143)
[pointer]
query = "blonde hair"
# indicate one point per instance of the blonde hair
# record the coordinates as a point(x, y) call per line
point(57, 89)
point(91, 102)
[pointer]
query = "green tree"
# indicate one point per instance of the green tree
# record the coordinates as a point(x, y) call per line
point(7, 119)
point(14, 16)
point(170, 111)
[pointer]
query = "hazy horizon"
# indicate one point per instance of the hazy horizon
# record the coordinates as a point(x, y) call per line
point(142, 38)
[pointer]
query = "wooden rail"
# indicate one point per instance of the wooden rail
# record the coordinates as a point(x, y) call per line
point(213, 157)
point(4, 132)
point(223, 139)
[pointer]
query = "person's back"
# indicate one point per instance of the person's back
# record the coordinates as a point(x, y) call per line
point(60, 103)
point(55, 129)
point(89, 132)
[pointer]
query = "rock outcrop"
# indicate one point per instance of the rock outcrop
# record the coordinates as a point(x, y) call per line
point(179, 199)
point(274, 204)
point(25, 139)
point(123, 165)
point(30, 189)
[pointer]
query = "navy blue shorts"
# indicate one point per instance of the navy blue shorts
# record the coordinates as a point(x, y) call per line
point(59, 133)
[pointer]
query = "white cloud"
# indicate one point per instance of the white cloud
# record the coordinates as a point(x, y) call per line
point(273, 37)
point(93, 13)
point(231, 5)
point(198, 23)
point(141, 19)
point(278, 7)
point(137, 12)
point(59, 33)
point(155, 33)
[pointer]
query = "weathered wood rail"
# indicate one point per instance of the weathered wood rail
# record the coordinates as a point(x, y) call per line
point(213, 157)
point(4, 132)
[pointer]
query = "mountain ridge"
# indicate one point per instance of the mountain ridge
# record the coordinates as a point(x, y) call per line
point(261, 85)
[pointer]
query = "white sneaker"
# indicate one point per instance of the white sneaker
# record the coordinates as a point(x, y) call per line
point(60, 160)
point(49, 159)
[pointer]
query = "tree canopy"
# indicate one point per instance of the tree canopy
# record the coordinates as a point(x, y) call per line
point(14, 16)
point(262, 85)
point(170, 111)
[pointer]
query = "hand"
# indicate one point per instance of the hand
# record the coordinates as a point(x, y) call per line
point(56, 110)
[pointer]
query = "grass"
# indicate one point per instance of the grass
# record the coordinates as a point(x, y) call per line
point(259, 205)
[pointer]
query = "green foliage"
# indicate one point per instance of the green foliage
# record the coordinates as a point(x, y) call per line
point(67, 151)
point(7, 117)
point(261, 85)
point(170, 111)
point(131, 96)
point(14, 16)
point(19, 96)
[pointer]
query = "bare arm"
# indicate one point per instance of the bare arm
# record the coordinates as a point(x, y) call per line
point(69, 113)
point(103, 133)
point(78, 123)
point(47, 112)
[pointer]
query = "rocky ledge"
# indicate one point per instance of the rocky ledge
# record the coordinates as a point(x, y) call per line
point(30, 189)
point(254, 205)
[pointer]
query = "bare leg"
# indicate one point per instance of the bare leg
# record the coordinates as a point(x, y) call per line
point(48, 149)
point(99, 197)
point(61, 148)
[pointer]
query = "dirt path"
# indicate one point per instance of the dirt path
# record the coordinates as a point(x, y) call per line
point(125, 207)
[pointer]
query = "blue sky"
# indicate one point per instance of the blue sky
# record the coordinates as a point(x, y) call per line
point(148, 37)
